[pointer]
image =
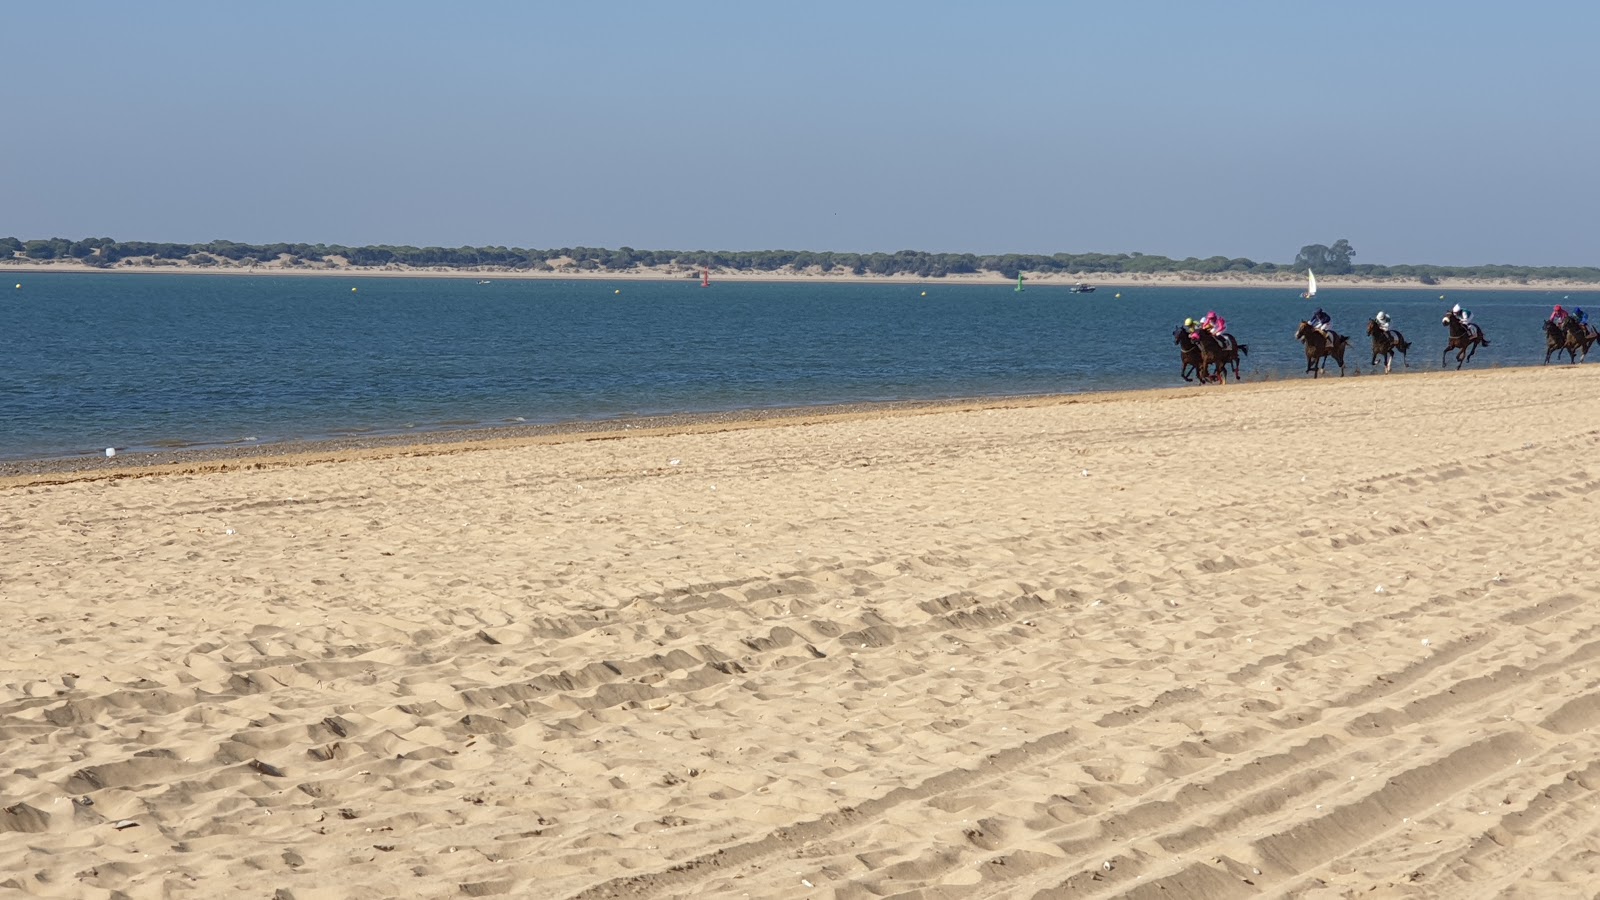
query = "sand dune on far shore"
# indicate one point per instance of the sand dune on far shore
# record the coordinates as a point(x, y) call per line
point(1317, 639)
point(1289, 281)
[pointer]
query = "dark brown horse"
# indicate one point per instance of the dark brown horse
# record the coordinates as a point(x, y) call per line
point(1319, 347)
point(1189, 354)
point(1558, 338)
point(1463, 339)
point(1386, 343)
point(1580, 337)
point(1219, 351)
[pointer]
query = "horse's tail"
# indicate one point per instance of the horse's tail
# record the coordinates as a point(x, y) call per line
point(1244, 349)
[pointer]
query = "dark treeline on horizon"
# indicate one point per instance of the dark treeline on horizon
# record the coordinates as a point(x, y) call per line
point(106, 253)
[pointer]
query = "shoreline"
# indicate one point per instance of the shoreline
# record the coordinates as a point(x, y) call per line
point(686, 274)
point(452, 441)
point(449, 441)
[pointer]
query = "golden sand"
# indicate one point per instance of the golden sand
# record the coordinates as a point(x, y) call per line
point(1323, 639)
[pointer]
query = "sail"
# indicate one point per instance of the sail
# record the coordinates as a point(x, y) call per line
point(1311, 289)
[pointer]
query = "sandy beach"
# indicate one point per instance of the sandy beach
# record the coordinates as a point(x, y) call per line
point(1285, 280)
point(1315, 639)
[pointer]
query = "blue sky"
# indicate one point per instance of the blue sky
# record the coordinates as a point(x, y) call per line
point(1435, 132)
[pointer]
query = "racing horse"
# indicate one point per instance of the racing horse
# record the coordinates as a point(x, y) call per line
point(1386, 344)
point(1580, 337)
point(1219, 351)
point(1190, 355)
point(1319, 347)
point(1556, 339)
point(1463, 339)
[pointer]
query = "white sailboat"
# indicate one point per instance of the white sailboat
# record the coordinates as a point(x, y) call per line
point(1311, 285)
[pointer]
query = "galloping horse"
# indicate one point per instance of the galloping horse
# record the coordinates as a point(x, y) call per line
point(1219, 351)
point(1573, 336)
point(1463, 340)
point(1319, 347)
point(1386, 344)
point(1583, 337)
point(1189, 354)
point(1556, 339)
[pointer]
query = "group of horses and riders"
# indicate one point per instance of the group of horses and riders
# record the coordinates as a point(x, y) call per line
point(1569, 331)
point(1323, 343)
point(1207, 350)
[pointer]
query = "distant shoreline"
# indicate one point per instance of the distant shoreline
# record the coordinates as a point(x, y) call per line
point(685, 273)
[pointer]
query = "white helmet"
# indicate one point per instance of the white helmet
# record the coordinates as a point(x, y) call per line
point(1456, 308)
point(1382, 314)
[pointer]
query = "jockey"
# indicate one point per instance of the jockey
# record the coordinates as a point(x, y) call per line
point(1464, 316)
point(1384, 322)
point(1558, 317)
point(1580, 315)
point(1214, 323)
point(1191, 326)
point(1320, 321)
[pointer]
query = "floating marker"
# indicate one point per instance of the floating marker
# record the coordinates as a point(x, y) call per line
point(352, 290)
point(1117, 296)
point(617, 291)
point(110, 452)
point(924, 293)
point(19, 287)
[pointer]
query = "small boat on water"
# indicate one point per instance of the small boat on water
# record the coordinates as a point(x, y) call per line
point(484, 281)
point(1081, 288)
point(1311, 285)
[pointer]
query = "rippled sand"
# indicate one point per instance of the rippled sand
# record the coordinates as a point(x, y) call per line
point(1316, 639)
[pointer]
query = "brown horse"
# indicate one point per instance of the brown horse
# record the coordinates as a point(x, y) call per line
point(1558, 338)
point(1580, 337)
point(1463, 339)
point(1189, 354)
point(1386, 344)
point(1319, 347)
point(1219, 351)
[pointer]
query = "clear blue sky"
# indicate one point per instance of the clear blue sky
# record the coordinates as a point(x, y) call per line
point(1437, 132)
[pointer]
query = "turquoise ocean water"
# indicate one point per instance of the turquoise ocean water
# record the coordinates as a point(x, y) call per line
point(159, 361)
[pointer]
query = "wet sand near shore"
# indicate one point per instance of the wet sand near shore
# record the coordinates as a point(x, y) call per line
point(456, 440)
point(1317, 639)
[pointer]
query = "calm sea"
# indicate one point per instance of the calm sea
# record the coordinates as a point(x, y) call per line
point(154, 361)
